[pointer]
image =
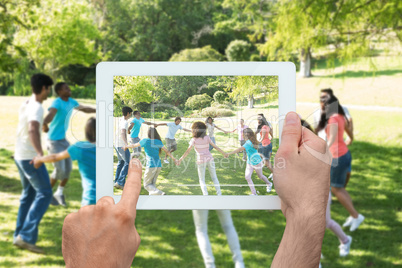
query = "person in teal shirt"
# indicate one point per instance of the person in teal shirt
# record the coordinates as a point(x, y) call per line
point(254, 160)
point(134, 131)
point(85, 154)
point(59, 115)
point(152, 146)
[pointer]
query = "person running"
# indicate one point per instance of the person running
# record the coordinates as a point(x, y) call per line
point(85, 154)
point(201, 142)
point(265, 148)
point(152, 146)
point(123, 156)
point(325, 94)
point(59, 115)
point(171, 143)
point(36, 190)
point(200, 218)
point(333, 120)
point(240, 128)
point(134, 131)
point(211, 127)
point(254, 161)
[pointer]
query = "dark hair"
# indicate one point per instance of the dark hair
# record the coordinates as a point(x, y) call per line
point(126, 110)
point(329, 91)
point(206, 121)
point(154, 135)
point(177, 118)
point(136, 112)
point(90, 129)
point(40, 80)
point(59, 86)
point(263, 123)
point(199, 129)
point(249, 133)
point(331, 107)
point(305, 124)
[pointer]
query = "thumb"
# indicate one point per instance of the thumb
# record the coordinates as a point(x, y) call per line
point(291, 135)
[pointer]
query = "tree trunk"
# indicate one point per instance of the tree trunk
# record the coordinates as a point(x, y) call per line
point(305, 63)
point(251, 101)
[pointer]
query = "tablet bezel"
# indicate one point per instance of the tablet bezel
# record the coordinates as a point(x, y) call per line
point(105, 71)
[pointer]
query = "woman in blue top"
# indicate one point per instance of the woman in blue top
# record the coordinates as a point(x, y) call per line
point(85, 153)
point(152, 146)
point(254, 161)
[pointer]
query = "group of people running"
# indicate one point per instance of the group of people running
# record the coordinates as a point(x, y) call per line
point(37, 193)
point(257, 151)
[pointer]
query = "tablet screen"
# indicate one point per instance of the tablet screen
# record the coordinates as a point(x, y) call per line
point(198, 119)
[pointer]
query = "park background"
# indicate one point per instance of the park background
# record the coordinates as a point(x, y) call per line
point(353, 47)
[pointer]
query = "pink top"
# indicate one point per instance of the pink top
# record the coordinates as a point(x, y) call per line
point(338, 148)
point(201, 146)
point(240, 132)
point(265, 140)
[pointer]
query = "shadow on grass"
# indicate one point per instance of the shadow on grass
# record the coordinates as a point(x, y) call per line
point(362, 74)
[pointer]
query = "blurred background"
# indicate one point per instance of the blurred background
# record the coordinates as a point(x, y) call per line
point(353, 47)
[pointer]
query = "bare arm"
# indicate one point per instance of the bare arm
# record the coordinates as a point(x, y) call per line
point(135, 145)
point(349, 132)
point(187, 130)
point(85, 109)
point(168, 153)
point(50, 158)
point(221, 129)
point(262, 135)
point(233, 130)
point(130, 127)
point(149, 123)
point(238, 150)
point(217, 148)
point(34, 136)
point(186, 153)
point(333, 131)
point(49, 117)
point(161, 124)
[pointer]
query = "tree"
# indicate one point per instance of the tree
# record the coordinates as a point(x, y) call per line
point(238, 50)
point(206, 53)
point(197, 102)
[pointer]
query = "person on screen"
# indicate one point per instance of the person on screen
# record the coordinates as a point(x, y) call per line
point(211, 127)
point(201, 142)
point(85, 154)
point(153, 147)
point(240, 128)
point(120, 141)
point(326, 94)
point(254, 161)
point(265, 148)
point(59, 115)
point(36, 190)
point(200, 218)
point(134, 131)
point(114, 243)
point(171, 143)
point(334, 122)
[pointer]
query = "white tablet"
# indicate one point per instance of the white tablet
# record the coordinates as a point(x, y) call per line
point(159, 92)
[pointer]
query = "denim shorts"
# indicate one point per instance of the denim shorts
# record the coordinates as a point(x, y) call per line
point(339, 168)
point(265, 151)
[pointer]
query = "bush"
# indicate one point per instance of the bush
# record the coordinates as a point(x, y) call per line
point(81, 92)
point(156, 115)
point(216, 112)
point(238, 50)
point(197, 102)
point(220, 96)
point(226, 105)
point(255, 57)
point(206, 53)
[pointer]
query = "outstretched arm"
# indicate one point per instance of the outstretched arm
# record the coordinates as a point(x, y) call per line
point(187, 130)
point(161, 124)
point(221, 129)
point(186, 153)
point(135, 145)
point(218, 149)
point(149, 123)
point(238, 150)
point(169, 154)
point(37, 161)
point(85, 109)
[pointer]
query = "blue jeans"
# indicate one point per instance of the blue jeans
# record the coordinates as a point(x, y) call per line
point(35, 199)
point(265, 151)
point(213, 141)
point(122, 165)
point(339, 168)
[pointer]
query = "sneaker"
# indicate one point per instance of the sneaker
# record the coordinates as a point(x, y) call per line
point(118, 186)
point(18, 242)
point(348, 221)
point(269, 188)
point(271, 176)
point(356, 222)
point(344, 249)
point(166, 161)
point(253, 194)
point(54, 202)
point(60, 199)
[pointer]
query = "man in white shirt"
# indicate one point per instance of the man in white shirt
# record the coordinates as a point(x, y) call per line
point(171, 143)
point(36, 190)
point(119, 142)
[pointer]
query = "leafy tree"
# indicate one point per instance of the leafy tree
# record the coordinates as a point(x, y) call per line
point(197, 102)
point(220, 97)
point(238, 50)
point(206, 53)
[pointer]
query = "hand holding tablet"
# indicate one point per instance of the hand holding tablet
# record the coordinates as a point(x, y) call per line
point(104, 235)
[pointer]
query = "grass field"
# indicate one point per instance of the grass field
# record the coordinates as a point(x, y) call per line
point(168, 237)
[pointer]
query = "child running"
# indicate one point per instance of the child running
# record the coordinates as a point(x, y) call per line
point(254, 161)
point(201, 142)
point(85, 153)
point(152, 146)
point(240, 127)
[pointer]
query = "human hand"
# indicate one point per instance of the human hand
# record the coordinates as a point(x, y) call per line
point(178, 162)
point(104, 235)
point(302, 168)
point(125, 147)
point(226, 155)
point(348, 141)
point(45, 128)
point(36, 162)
